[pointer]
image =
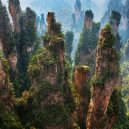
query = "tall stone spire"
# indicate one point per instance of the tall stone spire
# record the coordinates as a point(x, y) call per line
point(77, 4)
point(16, 12)
point(104, 81)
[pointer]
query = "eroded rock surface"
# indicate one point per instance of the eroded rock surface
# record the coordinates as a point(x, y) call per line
point(104, 80)
point(81, 81)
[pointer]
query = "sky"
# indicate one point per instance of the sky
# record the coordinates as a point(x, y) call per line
point(25, 3)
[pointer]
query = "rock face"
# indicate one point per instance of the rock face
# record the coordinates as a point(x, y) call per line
point(25, 39)
point(7, 40)
point(52, 59)
point(7, 48)
point(123, 8)
point(54, 39)
point(107, 67)
point(7, 64)
point(40, 25)
point(77, 17)
point(69, 36)
point(81, 80)
point(114, 22)
point(47, 75)
point(6, 94)
point(81, 76)
point(86, 51)
point(53, 28)
point(15, 11)
point(112, 5)
point(7, 98)
point(5, 31)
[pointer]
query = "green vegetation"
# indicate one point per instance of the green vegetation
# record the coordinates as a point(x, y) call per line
point(83, 68)
point(117, 109)
point(49, 113)
point(41, 58)
point(106, 38)
point(41, 93)
point(87, 46)
point(69, 36)
point(8, 120)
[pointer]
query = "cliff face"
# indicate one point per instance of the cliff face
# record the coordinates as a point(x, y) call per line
point(86, 51)
point(112, 5)
point(15, 11)
point(47, 75)
point(107, 67)
point(54, 39)
point(114, 22)
point(81, 80)
point(40, 24)
point(5, 31)
point(7, 40)
point(6, 34)
point(8, 117)
point(123, 9)
point(69, 36)
point(77, 17)
point(25, 40)
point(81, 76)
point(6, 93)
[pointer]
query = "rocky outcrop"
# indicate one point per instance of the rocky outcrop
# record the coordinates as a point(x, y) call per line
point(112, 5)
point(7, 98)
point(69, 36)
point(6, 93)
point(106, 78)
point(24, 24)
point(52, 59)
point(81, 76)
point(48, 76)
point(16, 13)
point(7, 40)
point(77, 17)
point(40, 25)
point(54, 39)
point(123, 8)
point(86, 51)
point(114, 22)
point(44, 69)
point(53, 28)
point(81, 80)
point(5, 31)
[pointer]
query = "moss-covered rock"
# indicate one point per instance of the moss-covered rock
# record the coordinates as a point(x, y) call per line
point(106, 38)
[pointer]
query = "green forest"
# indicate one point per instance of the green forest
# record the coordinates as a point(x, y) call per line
point(43, 87)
